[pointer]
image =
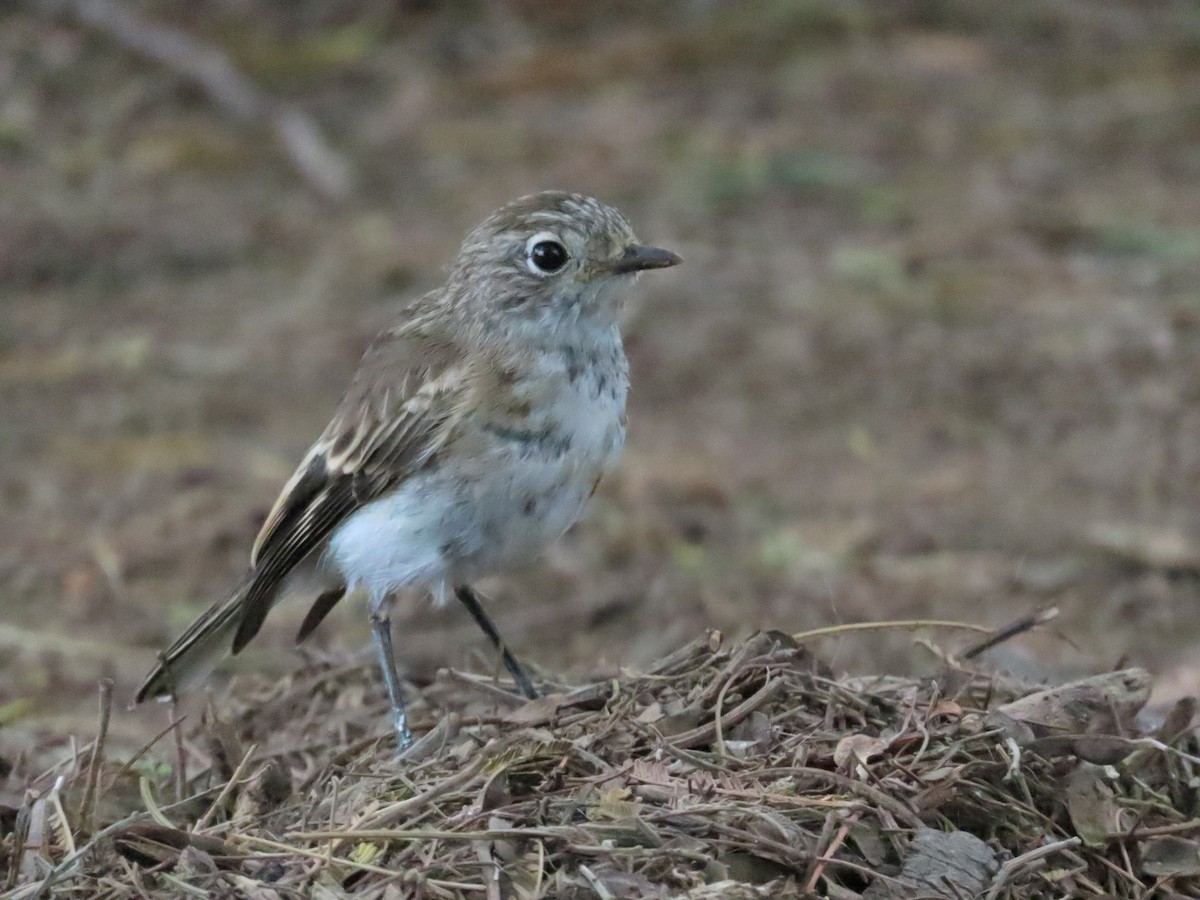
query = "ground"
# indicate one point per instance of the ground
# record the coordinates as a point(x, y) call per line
point(935, 350)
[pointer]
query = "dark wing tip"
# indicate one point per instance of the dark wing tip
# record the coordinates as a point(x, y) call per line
point(157, 684)
point(252, 620)
point(320, 608)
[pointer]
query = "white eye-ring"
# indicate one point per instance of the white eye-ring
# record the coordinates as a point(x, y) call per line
point(545, 254)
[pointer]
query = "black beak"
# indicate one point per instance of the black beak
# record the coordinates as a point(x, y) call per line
point(638, 259)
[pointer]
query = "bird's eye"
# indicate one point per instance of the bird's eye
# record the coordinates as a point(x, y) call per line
point(545, 254)
point(549, 256)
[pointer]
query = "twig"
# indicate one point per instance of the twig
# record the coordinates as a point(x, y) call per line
point(1014, 759)
point(180, 754)
point(1010, 869)
point(722, 749)
point(488, 685)
point(183, 887)
point(812, 872)
point(694, 650)
point(87, 806)
point(1137, 834)
point(144, 749)
point(898, 624)
point(595, 883)
point(893, 805)
point(826, 857)
point(704, 733)
point(312, 854)
point(732, 667)
point(491, 870)
point(211, 68)
point(1156, 744)
point(560, 832)
point(151, 804)
point(226, 790)
point(541, 868)
point(397, 811)
point(1022, 625)
point(54, 874)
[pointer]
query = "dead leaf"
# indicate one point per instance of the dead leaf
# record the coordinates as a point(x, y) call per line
point(1171, 857)
point(615, 805)
point(1092, 804)
point(755, 729)
point(744, 867)
point(946, 709)
point(270, 786)
point(870, 841)
point(858, 748)
point(193, 862)
point(940, 864)
point(1101, 749)
point(1082, 706)
point(541, 711)
point(1178, 720)
point(942, 787)
point(496, 792)
point(649, 771)
point(679, 723)
point(651, 713)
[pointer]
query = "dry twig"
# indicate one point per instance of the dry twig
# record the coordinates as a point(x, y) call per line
point(317, 163)
point(624, 788)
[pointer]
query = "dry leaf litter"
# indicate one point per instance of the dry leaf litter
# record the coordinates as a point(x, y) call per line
point(727, 769)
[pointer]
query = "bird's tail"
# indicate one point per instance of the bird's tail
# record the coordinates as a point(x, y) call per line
point(197, 650)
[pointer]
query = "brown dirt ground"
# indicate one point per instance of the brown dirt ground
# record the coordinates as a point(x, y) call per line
point(935, 350)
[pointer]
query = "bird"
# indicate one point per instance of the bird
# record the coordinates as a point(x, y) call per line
point(475, 430)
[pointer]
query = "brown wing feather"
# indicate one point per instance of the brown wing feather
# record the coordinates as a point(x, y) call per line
point(391, 422)
point(398, 411)
point(385, 406)
point(306, 532)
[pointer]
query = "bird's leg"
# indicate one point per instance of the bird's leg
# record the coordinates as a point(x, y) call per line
point(381, 627)
point(466, 594)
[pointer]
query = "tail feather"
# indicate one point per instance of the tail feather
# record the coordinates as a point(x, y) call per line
point(196, 650)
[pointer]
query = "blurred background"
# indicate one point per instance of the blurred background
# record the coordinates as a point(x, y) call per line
point(935, 350)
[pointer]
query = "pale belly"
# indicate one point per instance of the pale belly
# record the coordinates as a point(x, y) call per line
point(483, 516)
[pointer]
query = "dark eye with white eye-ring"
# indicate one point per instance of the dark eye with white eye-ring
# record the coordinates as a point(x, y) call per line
point(545, 254)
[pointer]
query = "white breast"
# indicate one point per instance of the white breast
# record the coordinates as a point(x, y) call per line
point(468, 518)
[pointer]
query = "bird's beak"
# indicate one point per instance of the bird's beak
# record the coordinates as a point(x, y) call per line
point(638, 259)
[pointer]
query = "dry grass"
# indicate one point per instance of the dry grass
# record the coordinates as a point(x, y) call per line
point(726, 769)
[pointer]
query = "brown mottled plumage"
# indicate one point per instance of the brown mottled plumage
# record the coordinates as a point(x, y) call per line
point(472, 434)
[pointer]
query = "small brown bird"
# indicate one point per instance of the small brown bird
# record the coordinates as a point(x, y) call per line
point(472, 435)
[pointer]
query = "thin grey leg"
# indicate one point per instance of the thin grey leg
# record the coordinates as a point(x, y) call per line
point(381, 627)
point(466, 594)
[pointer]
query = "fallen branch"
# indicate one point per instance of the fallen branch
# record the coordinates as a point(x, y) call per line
point(210, 68)
point(1022, 625)
point(91, 793)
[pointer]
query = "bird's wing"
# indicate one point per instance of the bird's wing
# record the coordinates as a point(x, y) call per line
point(400, 409)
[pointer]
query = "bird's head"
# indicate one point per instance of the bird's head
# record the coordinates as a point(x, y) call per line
point(554, 258)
